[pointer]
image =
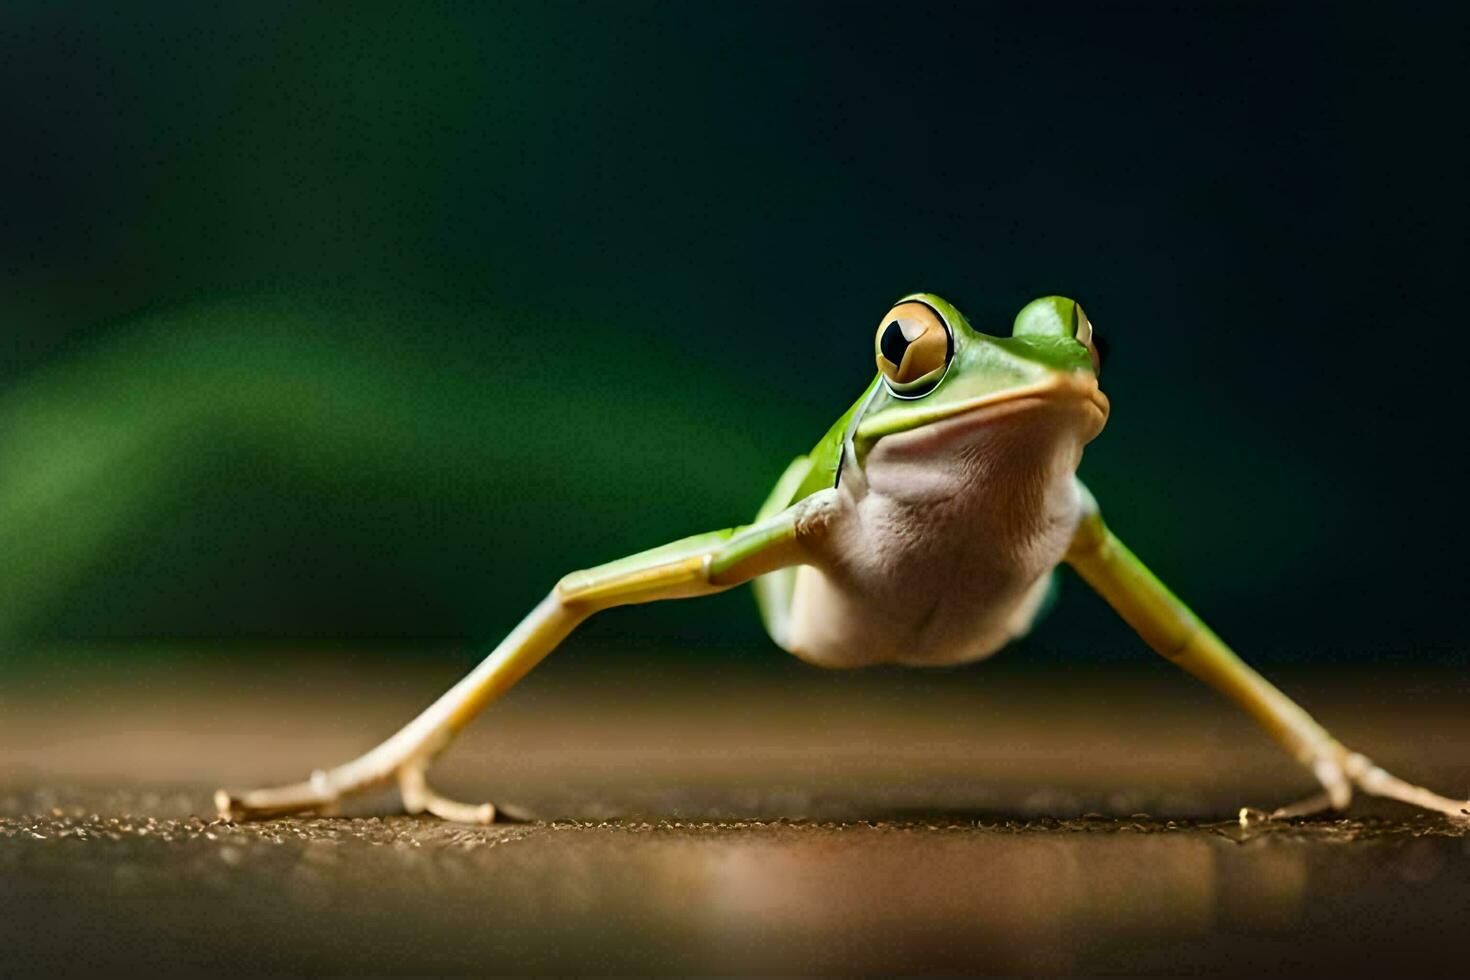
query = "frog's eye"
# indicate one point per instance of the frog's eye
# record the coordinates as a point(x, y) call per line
point(913, 348)
point(1058, 316)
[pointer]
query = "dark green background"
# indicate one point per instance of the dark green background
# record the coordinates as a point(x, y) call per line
point(365, 324)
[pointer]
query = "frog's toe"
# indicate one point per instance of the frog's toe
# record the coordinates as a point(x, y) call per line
point(1376, 781)
point(420, 797)
point(315, 795)
point(1312, 805)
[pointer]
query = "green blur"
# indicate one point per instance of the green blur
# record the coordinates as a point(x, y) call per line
point(362, 323)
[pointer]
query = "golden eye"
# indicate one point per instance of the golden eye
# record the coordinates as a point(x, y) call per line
point(913, 348)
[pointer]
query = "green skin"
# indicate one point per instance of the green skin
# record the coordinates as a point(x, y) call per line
point(995, 398)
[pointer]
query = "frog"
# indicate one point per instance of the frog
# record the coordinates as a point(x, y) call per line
point(925, 528)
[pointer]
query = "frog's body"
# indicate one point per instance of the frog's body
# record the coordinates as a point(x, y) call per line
point(922, 529)
point(940, 540)
point(927, 565)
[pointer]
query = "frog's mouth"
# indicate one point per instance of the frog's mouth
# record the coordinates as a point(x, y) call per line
point(1078, 388)
point(1007, 443)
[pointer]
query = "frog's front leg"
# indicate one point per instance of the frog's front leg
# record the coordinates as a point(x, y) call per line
point(700, 565)
point(1172, 630)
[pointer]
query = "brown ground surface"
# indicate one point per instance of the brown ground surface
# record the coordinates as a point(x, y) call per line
point(714, 816)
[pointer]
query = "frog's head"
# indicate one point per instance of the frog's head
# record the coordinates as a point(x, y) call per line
point(944, 385)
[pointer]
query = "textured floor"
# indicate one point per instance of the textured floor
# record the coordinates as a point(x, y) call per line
point(718, 817)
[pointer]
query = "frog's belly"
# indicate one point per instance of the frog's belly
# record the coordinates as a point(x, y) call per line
point(939, 546)
point(941, 584)
point(834, 626)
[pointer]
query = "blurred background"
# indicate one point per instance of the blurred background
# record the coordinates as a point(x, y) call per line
point(331, 335)
point(356, 326)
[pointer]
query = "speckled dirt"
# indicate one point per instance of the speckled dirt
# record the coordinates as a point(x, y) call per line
point(794, 823)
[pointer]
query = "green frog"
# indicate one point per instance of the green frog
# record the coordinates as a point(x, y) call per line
point(924, 528)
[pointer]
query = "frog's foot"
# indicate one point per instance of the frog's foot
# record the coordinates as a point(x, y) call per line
point(1340, 772)
point(321, 793)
